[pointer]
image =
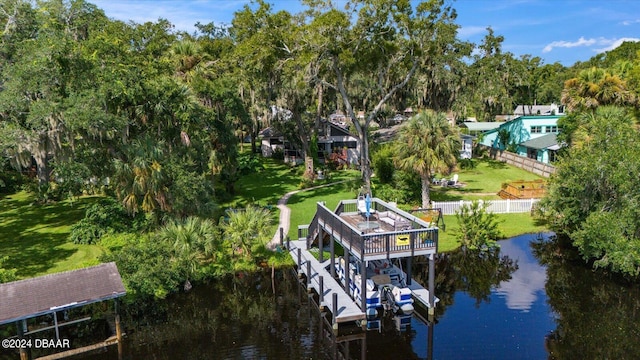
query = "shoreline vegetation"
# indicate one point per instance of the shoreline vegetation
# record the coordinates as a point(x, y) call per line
point(37, 241)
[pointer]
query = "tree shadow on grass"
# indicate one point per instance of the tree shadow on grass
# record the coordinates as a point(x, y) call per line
point(443, 195)
point(33, 234)
point(496, 164)
point(322, 193)
point(538, 221)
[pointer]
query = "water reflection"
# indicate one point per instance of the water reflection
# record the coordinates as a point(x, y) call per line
point(527, 283)
point(598, 315)
point(491, 308)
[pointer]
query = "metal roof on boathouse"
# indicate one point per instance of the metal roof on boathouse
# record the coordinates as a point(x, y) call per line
point(41, 295)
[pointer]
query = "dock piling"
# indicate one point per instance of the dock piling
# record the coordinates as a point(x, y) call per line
point(334, 313)
point(432, 286)
point(321, 293)
point(309, 286)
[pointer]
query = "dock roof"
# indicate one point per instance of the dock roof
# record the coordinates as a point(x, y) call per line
point(40, 295)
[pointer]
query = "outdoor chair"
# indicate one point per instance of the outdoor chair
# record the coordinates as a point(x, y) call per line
point(362, 205)
point(454, 181)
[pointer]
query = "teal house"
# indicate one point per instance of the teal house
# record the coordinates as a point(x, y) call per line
point(533, 137)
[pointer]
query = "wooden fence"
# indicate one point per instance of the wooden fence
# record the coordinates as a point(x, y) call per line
point(495, 206)
point(522, 162)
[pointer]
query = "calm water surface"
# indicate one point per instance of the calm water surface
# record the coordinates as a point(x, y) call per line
point(491, 308)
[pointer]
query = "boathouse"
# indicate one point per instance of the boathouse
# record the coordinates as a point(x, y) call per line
point(54, 293)
point(376, 231)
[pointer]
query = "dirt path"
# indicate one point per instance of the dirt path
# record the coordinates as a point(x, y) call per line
point(285, 213)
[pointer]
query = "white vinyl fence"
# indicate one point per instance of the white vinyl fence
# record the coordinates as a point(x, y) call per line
point(495, 206)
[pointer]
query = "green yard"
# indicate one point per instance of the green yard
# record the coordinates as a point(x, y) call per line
point(35, 237)
point(482, 182)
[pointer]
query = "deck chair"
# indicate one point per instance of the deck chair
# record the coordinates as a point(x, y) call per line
point(454, 181)
point(362, 205)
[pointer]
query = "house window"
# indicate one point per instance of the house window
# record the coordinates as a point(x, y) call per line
point(347, 144)
point(532, 154)
point(552, 156)
point(551, 129)
point(536, 129)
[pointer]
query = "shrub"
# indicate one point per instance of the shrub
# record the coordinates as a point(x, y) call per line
point(467, 164)
point(10, 180)
point(6, 275)
point(478, 228)
point(105, 217)
point(383, 164)
point(248, 163)
point(115, 242)
point(149, 268)
point(86, 232)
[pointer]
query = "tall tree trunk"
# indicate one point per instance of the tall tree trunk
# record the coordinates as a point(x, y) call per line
point(362, 129)
point(426, 201)
point(40, 155)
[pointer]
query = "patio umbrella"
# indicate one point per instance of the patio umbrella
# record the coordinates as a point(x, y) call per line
point(367, 204)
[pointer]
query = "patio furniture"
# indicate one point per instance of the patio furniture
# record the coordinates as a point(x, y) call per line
point(364, 205)
point(454, 181)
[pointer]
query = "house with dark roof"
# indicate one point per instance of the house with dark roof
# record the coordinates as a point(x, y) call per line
point(529, 135)
point(333, 137)
point(543, 148)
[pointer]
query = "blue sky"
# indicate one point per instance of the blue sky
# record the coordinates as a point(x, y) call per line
point(562, 31)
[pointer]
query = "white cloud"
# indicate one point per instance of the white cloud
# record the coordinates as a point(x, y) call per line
point(526, 283)
point(630, 22)
point(568, 44)
point(614, 43)
point(182, 14)
point(467, 31)
point(604, 43)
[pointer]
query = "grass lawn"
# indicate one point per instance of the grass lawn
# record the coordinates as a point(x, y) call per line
point(265, 186)
point(35, 237)
point(303, 204)
point(482, 182)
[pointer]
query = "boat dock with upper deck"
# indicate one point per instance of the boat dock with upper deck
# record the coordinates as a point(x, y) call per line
point(381, 232)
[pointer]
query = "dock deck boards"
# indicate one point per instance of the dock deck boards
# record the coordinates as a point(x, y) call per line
point(347, 308)
point(420, 293)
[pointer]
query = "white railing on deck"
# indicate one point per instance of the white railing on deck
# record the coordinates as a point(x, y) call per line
point(495, 206)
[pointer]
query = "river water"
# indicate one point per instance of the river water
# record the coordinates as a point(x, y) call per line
point(512, 305)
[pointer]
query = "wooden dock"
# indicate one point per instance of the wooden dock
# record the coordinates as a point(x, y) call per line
point(61, 355)
point(421, 294)
point(346, 309)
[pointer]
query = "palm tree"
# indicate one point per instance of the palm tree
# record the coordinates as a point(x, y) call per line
point(247, 228)
point(427, 144)
point(194, 240)
point(191, 235)
point(191, 62)
point(139, 179)
point(596, 87)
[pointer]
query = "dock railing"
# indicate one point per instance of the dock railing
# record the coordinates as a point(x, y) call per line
point(419, 236)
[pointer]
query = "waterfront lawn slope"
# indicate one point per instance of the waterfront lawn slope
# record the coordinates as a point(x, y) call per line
point(35, 238)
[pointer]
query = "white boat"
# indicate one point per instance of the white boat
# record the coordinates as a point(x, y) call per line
point(391, 281)
point(386, 287)
point(374, 300)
